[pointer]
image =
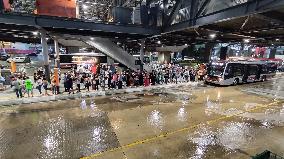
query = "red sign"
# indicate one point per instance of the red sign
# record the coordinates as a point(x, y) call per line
point(60, 8)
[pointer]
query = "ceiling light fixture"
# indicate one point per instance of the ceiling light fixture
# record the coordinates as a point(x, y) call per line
point(85, 6)
point(246, 40)
point(35, 33)
point(212, 36)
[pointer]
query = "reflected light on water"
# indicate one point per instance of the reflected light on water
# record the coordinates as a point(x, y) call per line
point(155, 119)
point(235, 135)
point(182, 114)
point(202, 137)
point(53, 138)
point(218, 95)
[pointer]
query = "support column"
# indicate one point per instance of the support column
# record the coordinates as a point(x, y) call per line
point(164, 57)
point(142, 54)
point(272, 53)
point(110, 61)
point(45, 55)
point(56, 48)
point(57, 65)
point(208, 51)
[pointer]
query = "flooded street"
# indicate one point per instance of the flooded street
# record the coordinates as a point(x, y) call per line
point(191, 122)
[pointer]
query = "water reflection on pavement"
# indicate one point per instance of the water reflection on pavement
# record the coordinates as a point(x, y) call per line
point(220, 122)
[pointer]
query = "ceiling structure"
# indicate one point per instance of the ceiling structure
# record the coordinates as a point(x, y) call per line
point(181, 22)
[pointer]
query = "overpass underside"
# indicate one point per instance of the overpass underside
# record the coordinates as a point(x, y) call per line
point(183, 22)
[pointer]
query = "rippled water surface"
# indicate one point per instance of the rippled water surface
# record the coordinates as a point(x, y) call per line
point(203, 122)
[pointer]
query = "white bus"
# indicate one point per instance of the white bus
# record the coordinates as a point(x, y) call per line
point(233, 73)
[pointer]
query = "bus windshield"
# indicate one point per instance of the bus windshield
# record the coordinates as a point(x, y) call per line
point(216, 70)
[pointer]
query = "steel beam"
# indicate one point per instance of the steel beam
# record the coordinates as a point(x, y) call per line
point(205, 3)
point(245, 9)
point(75, 24)
point(174, 12)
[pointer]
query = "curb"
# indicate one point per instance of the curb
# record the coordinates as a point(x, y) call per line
point(88, 94)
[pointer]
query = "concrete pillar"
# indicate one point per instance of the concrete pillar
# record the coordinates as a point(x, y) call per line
point(164, 57)
point(77, 10)
point(110, 61)
point(208, 51)
point(56, 48)
point(272, 53)
point(142, 54)
point(45, 54)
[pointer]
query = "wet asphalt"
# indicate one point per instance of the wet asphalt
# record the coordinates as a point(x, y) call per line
point(193, 122)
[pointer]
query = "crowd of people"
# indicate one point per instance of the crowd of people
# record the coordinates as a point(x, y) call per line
point(104, 77)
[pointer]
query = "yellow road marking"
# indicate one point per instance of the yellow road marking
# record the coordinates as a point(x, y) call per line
point(138, 142)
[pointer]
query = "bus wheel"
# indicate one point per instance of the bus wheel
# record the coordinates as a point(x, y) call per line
point(236, 82)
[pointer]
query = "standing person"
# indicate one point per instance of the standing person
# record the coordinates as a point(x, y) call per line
point(23, 87)
point(186, 75)
point(17, 88)
point(97, 82)
point(114, 80)
point(53, 85)
point(87, 83)
point(39, 85)
point(120, 81)
point(127, 78)
point(153, 77)
point(167, 75)
point(65, 82)
point(29, 86)
point(69, 84)
point(146, 79)
point(45, 85)
point(109, 79)
point(141, 78)
point(35, 77)
point(78, 83)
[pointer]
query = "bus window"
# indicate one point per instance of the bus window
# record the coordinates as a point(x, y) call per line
point(253, 69)
point(229, 71)
point(264, 69)
point(215, 70)
point(238, 70)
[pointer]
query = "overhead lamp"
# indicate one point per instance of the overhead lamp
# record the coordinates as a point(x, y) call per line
point(159, 42)
point(85, 6)
point(185, 44)
point(246, 40)
point(212, 36)
point(35, 33)
point(277, 39)
point(92, 38)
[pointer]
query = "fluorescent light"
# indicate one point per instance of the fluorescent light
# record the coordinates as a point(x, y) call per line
point(212, 36)
point(92, 38)
point(35, 33)
point(85, 6)
point(246, 40)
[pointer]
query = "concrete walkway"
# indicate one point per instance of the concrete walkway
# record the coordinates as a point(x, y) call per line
point(8, 98)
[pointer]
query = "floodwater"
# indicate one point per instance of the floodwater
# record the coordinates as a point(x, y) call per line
point(197, 122)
